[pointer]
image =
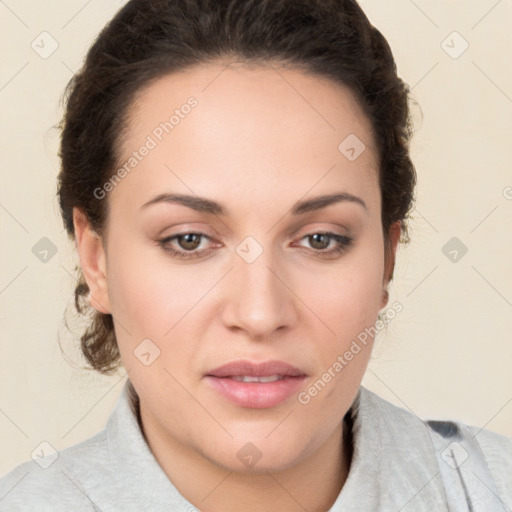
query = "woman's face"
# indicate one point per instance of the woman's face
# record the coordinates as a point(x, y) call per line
point(259, 282)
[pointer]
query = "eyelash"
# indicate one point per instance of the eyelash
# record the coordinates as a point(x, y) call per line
point(344, 242)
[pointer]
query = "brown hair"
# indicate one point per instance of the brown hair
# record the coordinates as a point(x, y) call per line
point(150, 38)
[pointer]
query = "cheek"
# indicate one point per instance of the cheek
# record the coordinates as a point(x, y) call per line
point(347, 301)
point(147, 293)
point(348, 305)
point(152, 302)
point(348, 297)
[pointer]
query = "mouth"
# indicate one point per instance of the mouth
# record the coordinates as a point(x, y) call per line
point(252, 378)
point(256, 385)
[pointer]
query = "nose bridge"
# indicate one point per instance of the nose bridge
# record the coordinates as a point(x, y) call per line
point(260, 302)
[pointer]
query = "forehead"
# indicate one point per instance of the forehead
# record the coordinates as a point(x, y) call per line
point(259, 129)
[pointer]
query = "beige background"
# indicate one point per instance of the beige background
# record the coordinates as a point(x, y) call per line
point(448, 354)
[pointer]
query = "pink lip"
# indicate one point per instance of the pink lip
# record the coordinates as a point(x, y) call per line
point(263, 369)
point(256, 395)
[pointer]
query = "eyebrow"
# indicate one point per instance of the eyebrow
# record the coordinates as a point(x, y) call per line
point(201, 204)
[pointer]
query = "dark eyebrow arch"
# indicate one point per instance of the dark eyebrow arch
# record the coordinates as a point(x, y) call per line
point(317, 203)
point(201, 204)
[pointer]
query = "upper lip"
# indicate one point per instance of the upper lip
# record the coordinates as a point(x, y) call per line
point(261, 369)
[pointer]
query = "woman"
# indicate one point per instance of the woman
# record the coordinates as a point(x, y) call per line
point(236, 176)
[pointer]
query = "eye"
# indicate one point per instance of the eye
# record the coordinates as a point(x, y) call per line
point(187, 245)
point(322, 240)
point(188, 241)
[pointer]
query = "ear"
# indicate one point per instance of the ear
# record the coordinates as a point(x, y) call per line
point(92, 260)
point(390, 257)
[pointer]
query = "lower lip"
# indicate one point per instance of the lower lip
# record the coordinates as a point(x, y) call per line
point(256, 395)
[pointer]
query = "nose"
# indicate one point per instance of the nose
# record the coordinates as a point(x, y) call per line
point(259, 299)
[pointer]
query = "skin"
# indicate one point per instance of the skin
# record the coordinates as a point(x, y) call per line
point(260, 139)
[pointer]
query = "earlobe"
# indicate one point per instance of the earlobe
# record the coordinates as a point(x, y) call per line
point(92, 260)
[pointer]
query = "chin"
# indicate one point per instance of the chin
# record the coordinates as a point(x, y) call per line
point(260, 455)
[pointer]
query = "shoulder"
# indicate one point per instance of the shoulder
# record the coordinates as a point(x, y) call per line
point(50, 483)
point(496, 448)
point(497, 451)
point(96, 474)
point(480, 458)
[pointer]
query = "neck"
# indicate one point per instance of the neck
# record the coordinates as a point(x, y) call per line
point(313, 484)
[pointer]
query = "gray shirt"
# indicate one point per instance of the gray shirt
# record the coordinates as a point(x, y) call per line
point(399, 463)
